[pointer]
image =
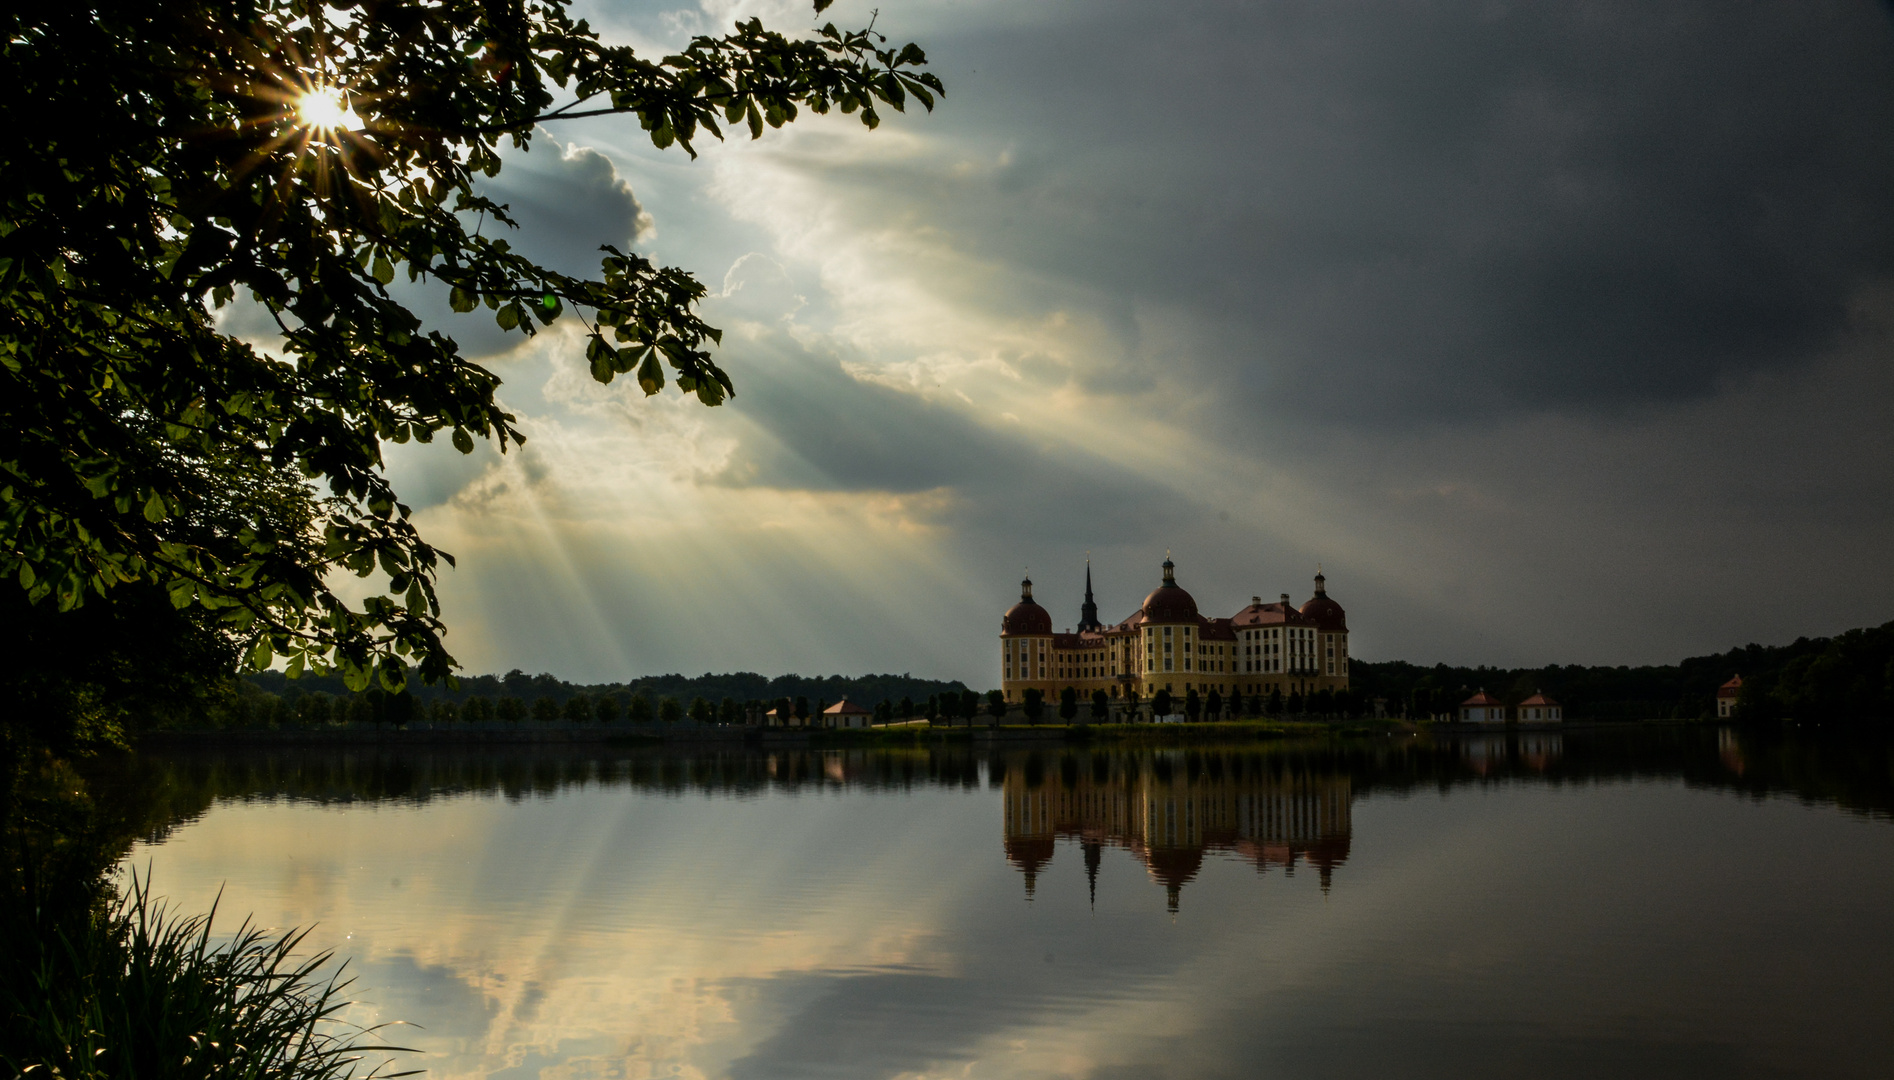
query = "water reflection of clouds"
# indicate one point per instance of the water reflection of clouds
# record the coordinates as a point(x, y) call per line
point(871, 926)
point(521, 935)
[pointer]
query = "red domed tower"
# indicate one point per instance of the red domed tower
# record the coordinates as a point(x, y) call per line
point(1026, 617)
point(1170, 633)
point(1025, 645)
point(1331, 636)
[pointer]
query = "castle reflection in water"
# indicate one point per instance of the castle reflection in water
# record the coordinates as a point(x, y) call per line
point(1170, 809)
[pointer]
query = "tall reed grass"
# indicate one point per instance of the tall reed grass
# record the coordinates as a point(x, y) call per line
point(135, 991)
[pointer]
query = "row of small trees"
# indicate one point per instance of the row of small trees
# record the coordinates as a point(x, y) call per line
point(263, 709)
point(1198, 707)
point(937, 708)
point(968, 705)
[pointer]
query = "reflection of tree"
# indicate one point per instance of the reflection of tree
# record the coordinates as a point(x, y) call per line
point(1170, 808)
point(152, 791)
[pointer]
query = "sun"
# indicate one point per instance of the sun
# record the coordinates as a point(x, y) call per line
point(325, 107)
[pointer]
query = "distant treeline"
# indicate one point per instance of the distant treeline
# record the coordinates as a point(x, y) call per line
point(271, 698)
point(1847, 678)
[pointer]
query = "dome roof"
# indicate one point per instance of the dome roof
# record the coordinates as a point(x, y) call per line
point(1169, 603)
point(1026, 617)
point(1328, 615)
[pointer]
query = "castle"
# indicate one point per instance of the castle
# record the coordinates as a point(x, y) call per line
point(1167, 645)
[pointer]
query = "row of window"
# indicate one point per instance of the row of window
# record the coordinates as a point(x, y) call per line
point(1272, 650)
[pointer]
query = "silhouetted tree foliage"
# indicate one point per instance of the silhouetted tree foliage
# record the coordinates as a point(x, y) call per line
point(93, 674)
point(1840, 679)
point(638, 709)
point(137, 431)
point(1033, 705)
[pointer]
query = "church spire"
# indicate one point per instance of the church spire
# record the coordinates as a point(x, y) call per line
point(1088, 611)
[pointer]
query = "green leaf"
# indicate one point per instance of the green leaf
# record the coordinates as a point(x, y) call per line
point(508, 317)
point(463, 442)
point(154, 508)
point(462, 300)
point(384, 270)
point(651, 374)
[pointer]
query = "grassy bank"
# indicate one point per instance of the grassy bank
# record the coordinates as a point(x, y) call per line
point(129, 989)
point(1140, 734)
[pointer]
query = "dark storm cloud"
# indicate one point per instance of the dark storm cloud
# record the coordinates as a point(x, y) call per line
point(567, 201)
point(1367, 210)
point(835, 432)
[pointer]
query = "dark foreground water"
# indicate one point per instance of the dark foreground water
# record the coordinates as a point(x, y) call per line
point(1679, 903)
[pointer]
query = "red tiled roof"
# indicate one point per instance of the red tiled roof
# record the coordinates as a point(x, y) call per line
point(1481, 698)
point(846, 707)
point(1276, 614)
point(1539, 699)
point(1730, 688)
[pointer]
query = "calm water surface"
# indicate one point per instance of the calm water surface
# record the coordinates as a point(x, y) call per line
point(1685, 903)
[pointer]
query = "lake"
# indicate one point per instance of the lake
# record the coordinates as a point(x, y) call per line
point(1679, 902)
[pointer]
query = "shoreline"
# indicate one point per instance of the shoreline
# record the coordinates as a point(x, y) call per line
point(902, 735)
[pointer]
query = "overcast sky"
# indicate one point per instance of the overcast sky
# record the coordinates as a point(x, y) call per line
point(1553, 333)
